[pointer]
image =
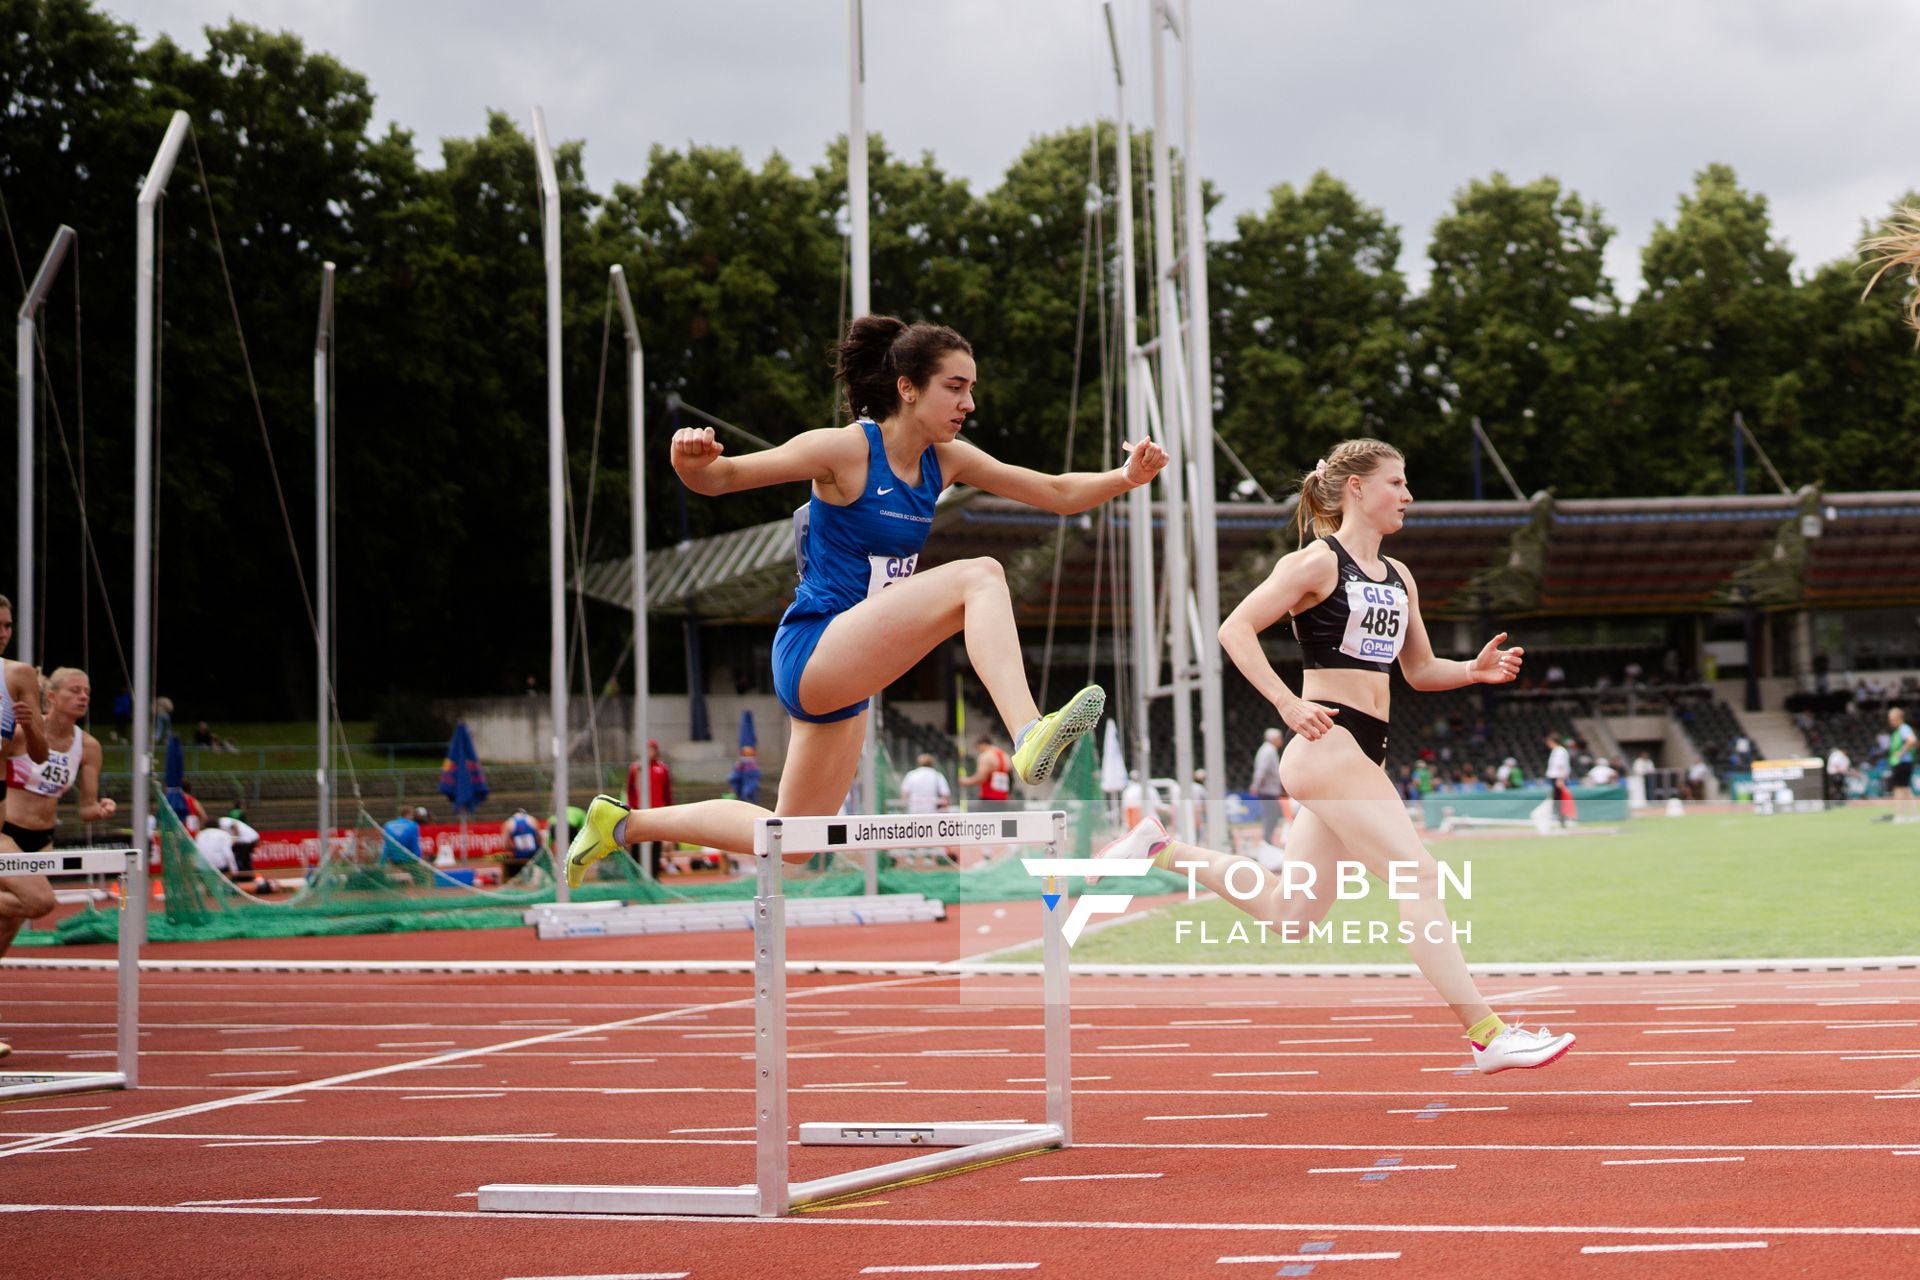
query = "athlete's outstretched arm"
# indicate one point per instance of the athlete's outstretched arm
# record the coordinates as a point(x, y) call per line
point(1430, 674)
point(816, 455)
point(23, 686)
point(1066, 495)
point(92, 807)
point(1300, 580)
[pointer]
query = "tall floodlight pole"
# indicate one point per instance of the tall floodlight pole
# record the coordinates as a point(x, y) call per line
point(1206, 542)
point(1174, 427)
point(637, 466)
point(556, 493)
point(323, 561)
point(145, 208)
point(24, 639)
point(1146, 665)
point(859, 209)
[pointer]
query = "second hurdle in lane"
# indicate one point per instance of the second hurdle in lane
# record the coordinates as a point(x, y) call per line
point(955, 1144)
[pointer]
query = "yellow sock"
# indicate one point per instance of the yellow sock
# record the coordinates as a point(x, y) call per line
point(1483, 1031)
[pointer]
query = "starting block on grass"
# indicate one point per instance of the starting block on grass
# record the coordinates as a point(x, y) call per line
point(124, 864)
point(772, 1194)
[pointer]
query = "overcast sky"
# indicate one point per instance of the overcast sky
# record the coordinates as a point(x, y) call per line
point(1406, 100)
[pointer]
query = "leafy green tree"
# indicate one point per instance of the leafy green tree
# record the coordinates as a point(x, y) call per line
point(1310, 330)
point(1514, 329)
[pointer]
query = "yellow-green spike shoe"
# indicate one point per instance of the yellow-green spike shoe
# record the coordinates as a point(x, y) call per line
point(594, 840)
point(1049, 739)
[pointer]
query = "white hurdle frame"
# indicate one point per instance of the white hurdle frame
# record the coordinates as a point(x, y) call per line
point(773, 1194)
point(17, 1083)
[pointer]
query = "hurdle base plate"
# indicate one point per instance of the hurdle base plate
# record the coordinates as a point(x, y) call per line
point(32, 1084)
point(517, 1197)
point(910, 1134)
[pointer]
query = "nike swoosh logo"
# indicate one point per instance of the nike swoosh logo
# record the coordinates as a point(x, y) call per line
point(884, 492)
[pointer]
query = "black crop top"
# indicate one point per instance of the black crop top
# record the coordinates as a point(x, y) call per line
point(1362, 626)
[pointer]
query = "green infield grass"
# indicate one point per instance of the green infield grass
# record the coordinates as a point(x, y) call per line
point(1709, 886)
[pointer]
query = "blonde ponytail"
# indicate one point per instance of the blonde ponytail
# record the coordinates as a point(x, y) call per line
point(1897, 245)
point(1320, 489)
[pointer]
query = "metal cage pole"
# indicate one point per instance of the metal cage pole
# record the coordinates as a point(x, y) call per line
point(556, 496)
point(323, 557)
point(25, 641)
point(637, 488)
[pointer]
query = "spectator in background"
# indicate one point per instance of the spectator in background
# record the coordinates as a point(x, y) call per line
point(521, 841)
point(661, 779)
point(402, 835)
point(1508, 775)
point(924, 789)
point(245, 840)
point(744, 781)
point(216, 846)
point(1900, 760)
point(1642, 765)
point(1559, 770)
point(1697, 779)
point(195, 814)
point(1198, 799)
point(1603, 774)
point(992, 773)
point(122, 713)
point(1839, 765)
point(1556, 675)
point(162, 720)
point(1265, 785)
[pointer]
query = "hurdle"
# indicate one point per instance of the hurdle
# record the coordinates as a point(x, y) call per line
point(133, 931)
point(772, 1194)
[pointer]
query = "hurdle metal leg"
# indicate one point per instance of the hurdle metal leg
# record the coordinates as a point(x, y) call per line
point(129, 867)
point(772, 1194)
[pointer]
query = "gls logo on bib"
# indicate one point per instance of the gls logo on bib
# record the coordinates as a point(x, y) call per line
point(884, 571)
point(1376, 621)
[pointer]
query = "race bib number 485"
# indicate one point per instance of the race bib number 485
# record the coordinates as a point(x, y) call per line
point(884, 571)
point(1376, 621)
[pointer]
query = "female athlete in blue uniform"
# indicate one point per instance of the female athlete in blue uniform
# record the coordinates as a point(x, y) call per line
point(1355, 613)
point(862, 617)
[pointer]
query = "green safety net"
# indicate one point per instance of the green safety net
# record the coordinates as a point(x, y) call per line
point(369, 884)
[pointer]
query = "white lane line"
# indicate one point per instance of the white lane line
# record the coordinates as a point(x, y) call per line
point(1368, 1017)
point(1448, 1111)
point(1835, 1004)
point(416, 1044)
point(1108, 1048)
point(613, 1275)
point(1698, 1102)
point(1384, 1168)
point(273, 1142)
point(1691, 1008)
point(1043, 1079)
point(1808, 986)
point(41, 1111)
point(1211, 1022)
point(1224, 1115)
point(1896, 1097)
point(1683, 1160)
point(1311, 1257)
point(1689, 1031)
point(1523, 994)
point(58, 1151)
point(535, 1022)
point(262, 1048)
point(1227, 1075)
point(1087, 1177)
point(1687, 1062)
point(1672, 1248)
point(268, 1102)
point(960, 1053)
point(223, 1075)
point(857, 1084)
point(188, 1204)
point(1344, 1040)
point(439, 1097)
point(747, 1128)
point(610, 1062)
point(928, 1268)
point(1868, 1026)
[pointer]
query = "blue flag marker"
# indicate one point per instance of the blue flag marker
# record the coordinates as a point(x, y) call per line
point(1051, 899)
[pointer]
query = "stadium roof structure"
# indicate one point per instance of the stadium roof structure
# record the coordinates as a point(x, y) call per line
point(1541, 558)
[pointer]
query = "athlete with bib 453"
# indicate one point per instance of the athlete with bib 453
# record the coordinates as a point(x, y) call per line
point(1355, 613)
point(862, 617)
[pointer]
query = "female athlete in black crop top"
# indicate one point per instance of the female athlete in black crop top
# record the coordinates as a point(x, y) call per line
point(1356, 613)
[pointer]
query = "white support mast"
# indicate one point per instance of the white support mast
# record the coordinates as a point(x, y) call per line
point(556, 494)
point(24, 639)
point(637, 466)
point(859, 211)
point(1174, 428)
point(1146, 673)
point(323, 562)
point(1206, 544)
point(145, 208)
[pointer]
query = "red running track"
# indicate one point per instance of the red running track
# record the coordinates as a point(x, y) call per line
point(338, 1125)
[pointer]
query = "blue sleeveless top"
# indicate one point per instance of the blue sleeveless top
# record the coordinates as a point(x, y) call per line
point(853, 551)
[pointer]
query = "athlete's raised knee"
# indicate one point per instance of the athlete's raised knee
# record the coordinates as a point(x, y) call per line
point(983, 572)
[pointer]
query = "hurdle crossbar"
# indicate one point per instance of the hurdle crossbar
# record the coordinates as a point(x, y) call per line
point(133, 929)
point(772, 1194)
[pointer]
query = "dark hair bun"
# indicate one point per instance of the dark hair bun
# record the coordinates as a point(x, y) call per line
point(880, 350)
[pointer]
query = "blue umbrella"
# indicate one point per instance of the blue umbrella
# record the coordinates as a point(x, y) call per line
point(176, 775)
point(462, 780)
point(748, 738)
